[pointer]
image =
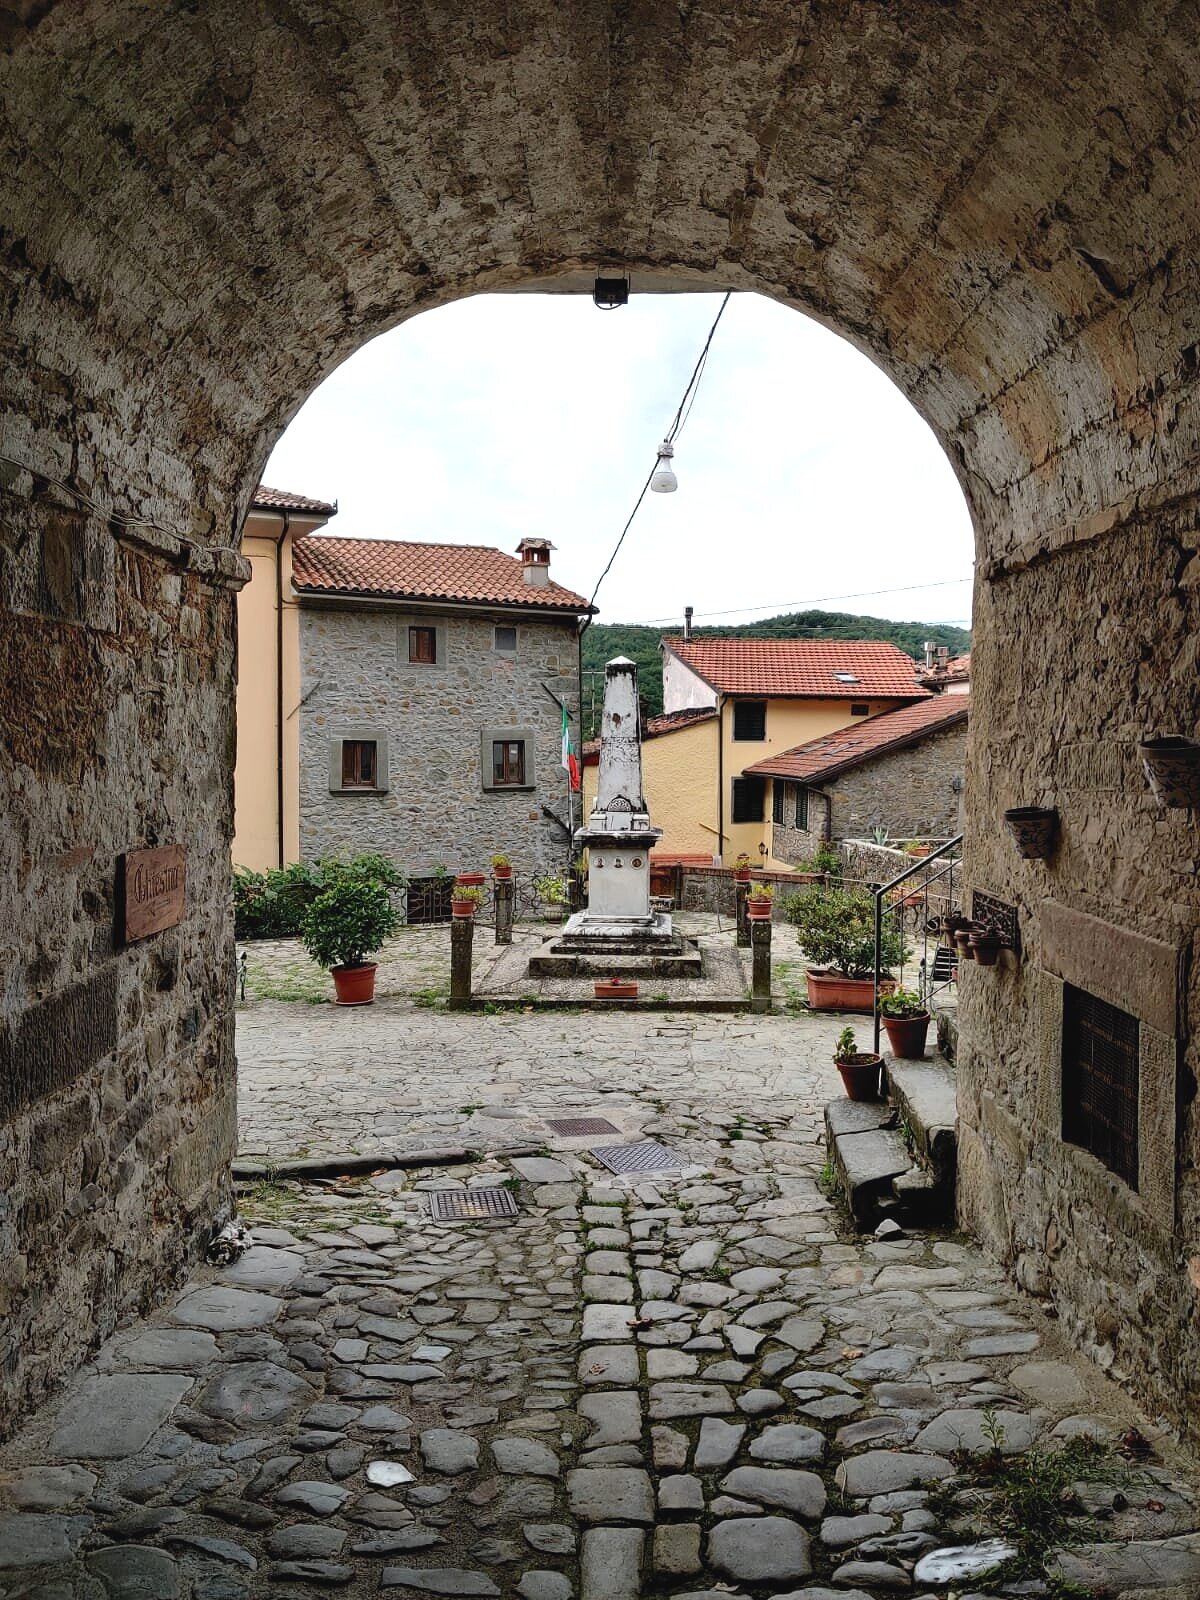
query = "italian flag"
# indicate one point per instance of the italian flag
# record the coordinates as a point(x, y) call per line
point(570, 761)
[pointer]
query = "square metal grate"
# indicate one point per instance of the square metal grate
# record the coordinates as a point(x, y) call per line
point(1100, 1080)
point(647, 1157)
point(577, 1127)
point(471, 1205)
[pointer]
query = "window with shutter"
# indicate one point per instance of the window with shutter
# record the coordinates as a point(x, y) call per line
point(508, 763)
point(422, 645)
point(748, 799)
point(801, 806)
point(360, 765)
point(778, 801)
point(750, 720)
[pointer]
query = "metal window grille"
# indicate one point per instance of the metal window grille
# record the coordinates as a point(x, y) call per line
point(748, 799)
point(750, 719)
point(1100, 1081)
point(428, 899)
point(422, 645)
point(359, 763)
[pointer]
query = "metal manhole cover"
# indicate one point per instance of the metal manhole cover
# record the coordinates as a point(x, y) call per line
point(471, 1205)
point(576, 1127)
point(648, 1157)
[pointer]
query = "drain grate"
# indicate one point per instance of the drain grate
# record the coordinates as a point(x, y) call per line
point(471, 1205)
point(647, 1157)
point(577, 1127)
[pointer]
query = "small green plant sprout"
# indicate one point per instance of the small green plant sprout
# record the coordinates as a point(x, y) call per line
point(439, 872)
point(993, 1430)
point(879, 835)
point(501, 860)
point(469, 891)
point(551, 889)
point(827, 1177)
point(846, 1047)
point(901, 1003)
point(762, 893)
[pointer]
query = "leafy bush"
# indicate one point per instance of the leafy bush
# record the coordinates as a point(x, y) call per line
point(826, 860)
point(348, 921)
point(836, 928)
point(901, 1003)
point(272, 904)
point(551, 889)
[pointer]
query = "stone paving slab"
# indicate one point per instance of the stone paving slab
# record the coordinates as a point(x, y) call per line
point(775, 1407)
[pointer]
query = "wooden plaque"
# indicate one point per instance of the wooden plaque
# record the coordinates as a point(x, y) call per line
point(152, 887)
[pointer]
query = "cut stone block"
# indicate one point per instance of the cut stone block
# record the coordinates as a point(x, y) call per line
point(112, 1416)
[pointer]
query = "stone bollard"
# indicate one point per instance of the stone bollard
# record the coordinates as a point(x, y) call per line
point(760, 944)
point(741, 892)
point(462, 933)
point(504, 910)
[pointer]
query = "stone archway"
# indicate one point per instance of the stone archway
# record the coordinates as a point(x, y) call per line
point(205, 207)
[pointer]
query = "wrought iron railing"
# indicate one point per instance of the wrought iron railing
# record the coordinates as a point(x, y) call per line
point(918, 901)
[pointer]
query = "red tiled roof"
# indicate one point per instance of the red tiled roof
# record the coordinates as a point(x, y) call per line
point(654, 727)
point(956, 671)
point(802, 667)
point(823, 758)
point(394, 569)
point(283, 500)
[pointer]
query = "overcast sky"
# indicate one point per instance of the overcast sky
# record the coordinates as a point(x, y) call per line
point(805, 477)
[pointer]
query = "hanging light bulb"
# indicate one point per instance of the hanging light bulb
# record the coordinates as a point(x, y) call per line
point(664, 480)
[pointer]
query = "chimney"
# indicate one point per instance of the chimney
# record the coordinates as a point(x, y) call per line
point(687, 622)
point(942, 655)
point(930, 655)
point(535, 561)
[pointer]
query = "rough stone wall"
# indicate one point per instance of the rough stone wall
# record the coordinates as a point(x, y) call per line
point(202, 217)
point(117, 1093)
point(355, 672)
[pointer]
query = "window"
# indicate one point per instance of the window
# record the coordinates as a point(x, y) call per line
point(1100, 1081)
point(508, 763)
point(359, 763)
point(748, 799)
point(846, 677)
point(778, 801)
point(422, 645)
point(859, 708)
point(801, 806)
point(750, 719)
point(506, 639)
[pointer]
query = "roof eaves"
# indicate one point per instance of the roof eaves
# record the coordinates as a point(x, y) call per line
point(860, 758)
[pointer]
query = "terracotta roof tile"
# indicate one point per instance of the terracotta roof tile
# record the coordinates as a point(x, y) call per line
point(654, 727)
point(467, 574)
point(283, 500)
point(824, 668)
point(850, 747)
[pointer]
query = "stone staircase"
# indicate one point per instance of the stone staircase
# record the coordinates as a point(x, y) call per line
point(897, 1157)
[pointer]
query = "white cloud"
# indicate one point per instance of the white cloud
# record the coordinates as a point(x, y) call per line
point(803, 472)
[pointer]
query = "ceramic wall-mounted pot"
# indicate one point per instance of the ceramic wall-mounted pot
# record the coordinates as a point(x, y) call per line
point(1172, 766)
point(1035, 828)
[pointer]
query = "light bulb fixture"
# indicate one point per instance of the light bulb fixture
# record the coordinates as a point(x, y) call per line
point(609, 293)
point(664, 480)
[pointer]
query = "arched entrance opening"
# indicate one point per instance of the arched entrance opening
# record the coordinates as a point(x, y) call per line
point(204, 212)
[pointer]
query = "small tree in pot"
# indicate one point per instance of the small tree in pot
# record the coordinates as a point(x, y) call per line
point(859, 1069)
point(906, 1018)
point(836, 928)
point(346, 923)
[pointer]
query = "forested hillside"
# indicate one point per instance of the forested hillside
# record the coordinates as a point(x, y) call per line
point(604, 640)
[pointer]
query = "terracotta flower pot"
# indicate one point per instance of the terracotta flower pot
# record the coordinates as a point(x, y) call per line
point(758, 910)
point(616, 989)
point(962, 939)
point(830, 991)
point(986, 948)
point(354, 986)
point(860, 1076)
point(1172, 766)
point(906, 1036)
point(503, 874)
point(741, 875)
point(463, 908)
point(470, 880)
point(1035, 828)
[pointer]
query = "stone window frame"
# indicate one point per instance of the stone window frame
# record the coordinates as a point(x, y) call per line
point(366, 733)
point(504, 649)
point(1142, 976)
point(412, 619)
point(501, 735)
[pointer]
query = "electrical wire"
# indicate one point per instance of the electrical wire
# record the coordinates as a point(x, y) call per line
point(682, 413)
point(782, 606)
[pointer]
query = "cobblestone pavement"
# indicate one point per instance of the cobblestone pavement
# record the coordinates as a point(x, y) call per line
point(695, 1383)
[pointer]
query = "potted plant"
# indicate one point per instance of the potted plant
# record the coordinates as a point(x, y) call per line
point(1172, 767)
point(758, 902)
point(466, 899)
point(552, 892)
point(836, 929)
point(906, 1018)
point(741, 868)
point(985, 946)
point(859, 1069)
point(616, 989)
point(1035, 828)
point(346, 923)
point(469, 880)
point(502, 867)
point(914, 847)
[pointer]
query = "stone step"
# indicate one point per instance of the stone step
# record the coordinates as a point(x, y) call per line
point(925, 1095)
point(868, 1155)
point(945, 1017)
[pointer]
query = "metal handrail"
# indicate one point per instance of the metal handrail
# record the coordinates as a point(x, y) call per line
point(878, 890)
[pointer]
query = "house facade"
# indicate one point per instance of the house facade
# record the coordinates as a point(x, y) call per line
point(432, 680)
point(902, 771)
point(266, 782)
point(738, 701)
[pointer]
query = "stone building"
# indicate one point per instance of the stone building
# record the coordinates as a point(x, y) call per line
point(998, 203)
point(432, 678)
point(902, 771)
